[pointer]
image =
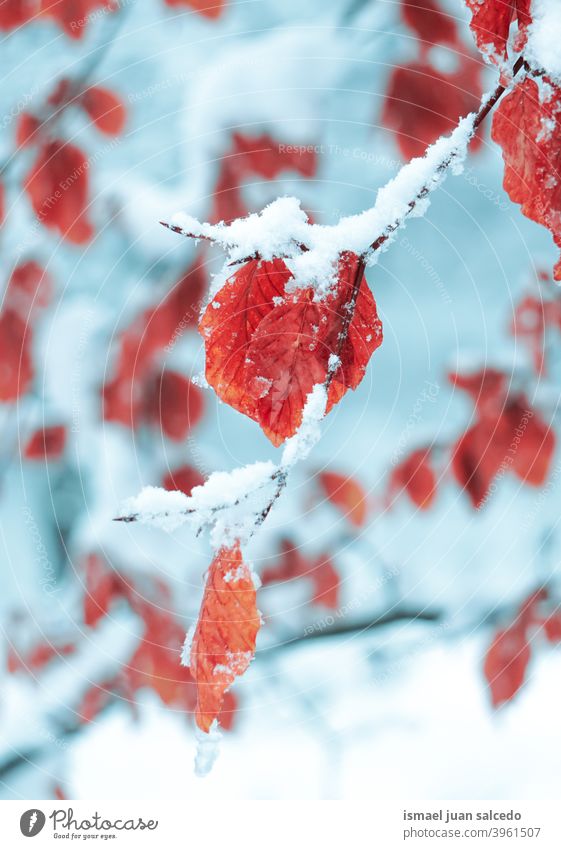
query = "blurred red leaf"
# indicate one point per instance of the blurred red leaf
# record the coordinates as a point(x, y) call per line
point(46, 444)
point(506, 663)
point(292, 565)
point(184, 478)
point(58, 187)
point(259, 156)
point(29, 286)
point(347, 494)
point(224, 640)
point(16, 367)
point(27, 129)
point(14, 13)
point(207, 8)
point(416, 477)
point(105, 109)
point(527, 126)
point(103, 585)
point(423, 103)
point(173, 403)
point(430, 23)
point(73, 15)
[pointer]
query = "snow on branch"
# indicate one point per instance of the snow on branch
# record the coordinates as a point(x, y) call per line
point(233, 504)
point(311, 251)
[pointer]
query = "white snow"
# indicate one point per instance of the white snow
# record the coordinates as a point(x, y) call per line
point(208, 748)
point(544, 38)
point(299, 446)
point(227, 501)
point(282, 227)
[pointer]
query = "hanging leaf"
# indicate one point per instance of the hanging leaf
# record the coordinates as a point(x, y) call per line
point(527, 126)
point(266, 349)
point(224, 640)
point(491, 21)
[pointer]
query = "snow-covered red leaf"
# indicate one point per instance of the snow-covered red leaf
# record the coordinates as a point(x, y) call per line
point(491, 22)
point(230, 322)
point(266, 349)
point(58, 187)
point(506, 663)
point(224, 640)
point(47, 443)
point(527, 126)
point(347, 494)
point(105, 109)
point(423, 103)
point(415, 476)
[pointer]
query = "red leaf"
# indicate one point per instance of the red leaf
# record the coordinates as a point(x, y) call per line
point(347, 494)
point(27, 130)
point(173, 403)
point(102, 586)
point(487, 388)
point(258, 156)
point(529, 324)
point(265, 350)
point(552, 628)
point(16, 368)
point(423, 103)
point(58, 188)
point(476, 460)
point(46, 444)
point(230, 322)
point(491, 21)
point(430, 23)
point(509, 438)
point(73, 15)
point(29, 286)
point(534, 452)
point(506, 663)
point(224, 640)
point(290, 351)
point(320, 571)
point(105, 109)
point(14, 13)
point(184, 478)
point(207, 8)
point(527, 126)
point(416, 476)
